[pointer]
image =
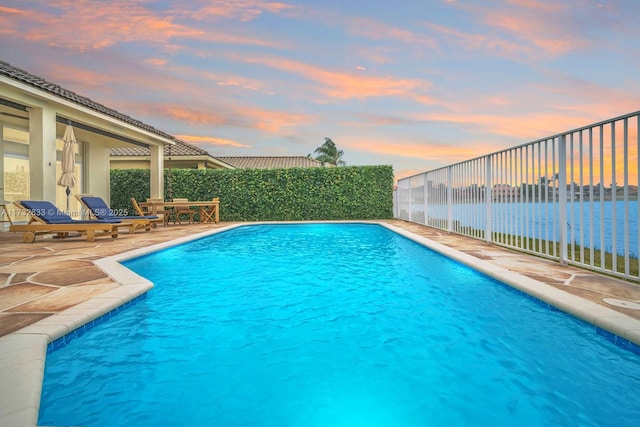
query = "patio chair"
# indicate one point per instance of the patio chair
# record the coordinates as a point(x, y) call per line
point(99, 209)
point(210, 213)
point(46, 218)
point(156, 206)
point(141, 211)
point(180, 210)
point(145, 210)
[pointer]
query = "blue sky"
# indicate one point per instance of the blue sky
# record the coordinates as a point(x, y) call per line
point(412, 84)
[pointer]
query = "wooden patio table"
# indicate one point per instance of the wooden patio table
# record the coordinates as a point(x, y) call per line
point(209, 210)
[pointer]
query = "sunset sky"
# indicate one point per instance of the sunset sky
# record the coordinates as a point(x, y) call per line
point(414, 84)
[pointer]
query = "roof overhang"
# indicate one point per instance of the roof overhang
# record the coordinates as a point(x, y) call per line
point(17, 94)
point(208, 160)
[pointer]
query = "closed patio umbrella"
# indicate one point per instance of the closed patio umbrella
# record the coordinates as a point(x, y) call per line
point(68, 177)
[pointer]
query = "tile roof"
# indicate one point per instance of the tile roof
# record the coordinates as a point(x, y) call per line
point(271, 162)
point(180, 148)
point(183, 149)
point(14, 73)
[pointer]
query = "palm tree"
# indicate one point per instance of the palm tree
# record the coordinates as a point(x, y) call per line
point(329, 153)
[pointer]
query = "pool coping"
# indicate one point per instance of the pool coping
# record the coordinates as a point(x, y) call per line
point(23, 353)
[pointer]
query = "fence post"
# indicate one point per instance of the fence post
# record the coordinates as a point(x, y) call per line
point(395, 202)
point(410, 200)
point(426, 199)
point(488, 220)
point(562, 199)
point(449, 201)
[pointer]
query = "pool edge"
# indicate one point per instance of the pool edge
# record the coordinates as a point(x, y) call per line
point(23, 353)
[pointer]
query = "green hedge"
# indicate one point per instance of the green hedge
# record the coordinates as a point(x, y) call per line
point(351, 192)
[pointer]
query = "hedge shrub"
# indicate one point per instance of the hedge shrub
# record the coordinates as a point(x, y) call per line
point(342, 193)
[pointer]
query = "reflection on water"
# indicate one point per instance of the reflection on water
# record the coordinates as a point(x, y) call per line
point(540, 220)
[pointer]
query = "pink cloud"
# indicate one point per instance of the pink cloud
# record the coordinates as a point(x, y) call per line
point(199, 140)
point(532, 34)
point(11, 10)
point(156, 62)
point(377, 54)
point(536, 29)
point(189, 115)
point(480, 42)
point(431, 151)
point(377, 30)
point(539, 5)
point(241, 10)
point(82, 80)
point(273, 121)
point(344, 86)
point(14, 21)
point(519, 128)
point(232, 116)
point(82, 26)
point(537, 32)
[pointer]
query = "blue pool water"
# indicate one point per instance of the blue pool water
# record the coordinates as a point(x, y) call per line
point(334, 325)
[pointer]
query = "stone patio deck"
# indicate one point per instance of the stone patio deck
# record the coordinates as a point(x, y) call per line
point(45, 278)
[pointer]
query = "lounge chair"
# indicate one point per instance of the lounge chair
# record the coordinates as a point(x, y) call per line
point(100, 210)
point(46, 218)
point(144, 211)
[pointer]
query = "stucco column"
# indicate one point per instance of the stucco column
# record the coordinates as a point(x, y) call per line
point(95, 162)
point(157, 171)
point(42, 153)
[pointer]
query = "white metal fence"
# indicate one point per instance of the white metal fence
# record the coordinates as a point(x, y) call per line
point(572, 197)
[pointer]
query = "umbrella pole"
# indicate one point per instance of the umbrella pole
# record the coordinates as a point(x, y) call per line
point(68, 194)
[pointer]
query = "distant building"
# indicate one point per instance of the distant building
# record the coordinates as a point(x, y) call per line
point(272, 162)
point(504, 192)
point(186, 156)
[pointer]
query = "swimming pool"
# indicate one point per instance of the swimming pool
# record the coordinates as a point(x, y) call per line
point(332, 324)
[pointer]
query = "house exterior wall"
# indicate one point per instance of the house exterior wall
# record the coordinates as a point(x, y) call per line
point(129, 163)
point(44, 121)
point(143, 162)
